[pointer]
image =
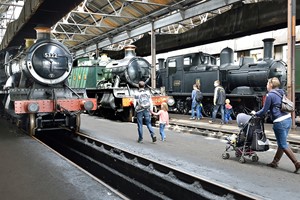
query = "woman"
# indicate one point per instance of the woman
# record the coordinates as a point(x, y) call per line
point(281, 123)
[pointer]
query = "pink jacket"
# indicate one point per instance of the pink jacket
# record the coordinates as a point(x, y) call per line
point(228, 106)
point(163, 116)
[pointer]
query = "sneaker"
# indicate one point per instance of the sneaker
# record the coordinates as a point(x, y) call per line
point(221, 123)
point(163, 139)
point(192, 118)
point(211, 122)
point(198, 118)
point(153, 139)
point(140, 140)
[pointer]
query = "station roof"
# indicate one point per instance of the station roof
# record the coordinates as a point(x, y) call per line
point(86, 25)
point(112, 23)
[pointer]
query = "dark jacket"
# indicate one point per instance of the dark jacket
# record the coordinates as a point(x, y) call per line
point(219, 95)
point(272, 103)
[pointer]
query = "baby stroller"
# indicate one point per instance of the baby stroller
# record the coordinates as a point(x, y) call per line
point(251, 138)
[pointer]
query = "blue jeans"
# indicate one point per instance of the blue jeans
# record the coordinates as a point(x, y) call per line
point(196, 106)
point(227, 116)
point(146, 115)
point(216, 108)
point(281, 130)
point(162, 131)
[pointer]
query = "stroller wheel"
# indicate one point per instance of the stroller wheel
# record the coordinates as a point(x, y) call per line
point(242, 159)
point(237, 154)
point(225, 155)
point(255, 158)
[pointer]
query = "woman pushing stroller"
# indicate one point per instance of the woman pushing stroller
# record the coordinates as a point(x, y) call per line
point(281, 123)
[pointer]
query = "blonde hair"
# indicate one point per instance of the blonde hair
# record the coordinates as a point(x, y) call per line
point(275, 82)
point(164, 106)
point(227, 101)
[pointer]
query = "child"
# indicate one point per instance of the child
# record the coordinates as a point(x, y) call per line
point(163, 119)
point(228, 111)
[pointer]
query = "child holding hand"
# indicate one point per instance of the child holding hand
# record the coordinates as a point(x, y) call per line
point(228, 111)
point(163, 119)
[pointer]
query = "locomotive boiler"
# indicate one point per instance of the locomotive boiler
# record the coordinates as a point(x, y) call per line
point(245, 82)
point(35, 87)
point(130, 70)
point(115, 83)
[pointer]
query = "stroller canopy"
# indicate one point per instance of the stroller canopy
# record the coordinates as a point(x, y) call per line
point(242, 119)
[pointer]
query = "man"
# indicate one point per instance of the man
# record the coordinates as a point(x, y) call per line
point(219, 101)
point(196, 103)
point(143, 104)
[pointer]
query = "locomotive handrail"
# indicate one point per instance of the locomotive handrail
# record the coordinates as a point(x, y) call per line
point(72, 91)
point(128, 88)
point(152, 90)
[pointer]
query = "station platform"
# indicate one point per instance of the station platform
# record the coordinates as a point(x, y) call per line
point(199, 155)
point(184, 120)
point(29, 170)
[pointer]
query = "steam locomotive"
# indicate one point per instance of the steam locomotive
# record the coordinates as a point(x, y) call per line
point(34, 87)
point(115, 83)
point(245, 83)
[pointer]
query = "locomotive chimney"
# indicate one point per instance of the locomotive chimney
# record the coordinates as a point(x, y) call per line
point(42, 32)
point(268, 48)
point(226, 56)
point(130, 51)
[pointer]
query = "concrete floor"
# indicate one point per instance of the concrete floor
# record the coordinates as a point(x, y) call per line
point(29, 170)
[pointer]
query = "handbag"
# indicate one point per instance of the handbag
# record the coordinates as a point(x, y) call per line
point(259, 141)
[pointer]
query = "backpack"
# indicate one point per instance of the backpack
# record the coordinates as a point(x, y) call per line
point(286, 104)
point(221, 95)
point(199, 96)
point(144, 100)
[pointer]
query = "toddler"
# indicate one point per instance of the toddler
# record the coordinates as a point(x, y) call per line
point(163, 119)
point(228, 111)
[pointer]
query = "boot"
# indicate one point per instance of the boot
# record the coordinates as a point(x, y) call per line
point(276, 159)
point(297, 165)
point(292, 157)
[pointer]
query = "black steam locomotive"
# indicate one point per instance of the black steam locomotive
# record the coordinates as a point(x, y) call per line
point(34, 88)
point(115, 83)
point(245, 83)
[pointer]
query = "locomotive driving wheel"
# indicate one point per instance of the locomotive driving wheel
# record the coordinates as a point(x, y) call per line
point(207, 110)
point(186, 108)
point(127, 114)
point(32, 124)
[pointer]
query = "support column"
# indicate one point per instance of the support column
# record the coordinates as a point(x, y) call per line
point(291, 53)
point(153, 56)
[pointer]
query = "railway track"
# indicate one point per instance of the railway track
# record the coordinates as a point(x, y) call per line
point(134, 176)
